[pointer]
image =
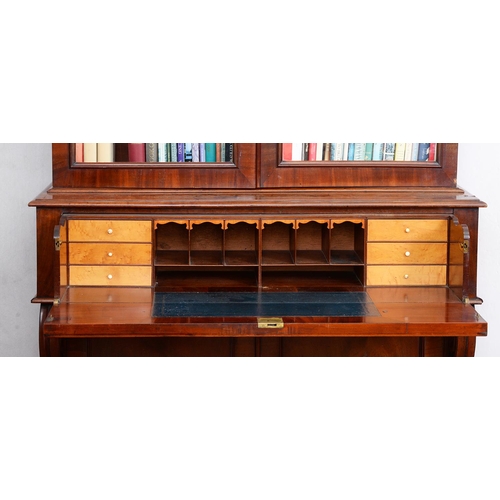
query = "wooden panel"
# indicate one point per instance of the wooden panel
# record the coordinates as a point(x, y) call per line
point(407, 230)
point(110, 276)
point(109, 230)
point(406, 253)
point(405, 275)
point(110, 253)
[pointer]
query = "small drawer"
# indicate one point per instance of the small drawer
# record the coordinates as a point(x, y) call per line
point(110, 253)
point(109, 230)
point(406, 253)
point(110, 276)
point(408, 230)
point(405, 275)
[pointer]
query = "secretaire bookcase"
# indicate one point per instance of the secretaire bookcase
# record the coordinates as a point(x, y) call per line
point(256, 252)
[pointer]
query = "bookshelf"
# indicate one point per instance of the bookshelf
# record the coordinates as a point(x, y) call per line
point(187, 258)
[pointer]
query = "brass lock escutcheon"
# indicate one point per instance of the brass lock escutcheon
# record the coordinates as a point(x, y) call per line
point(270, 323)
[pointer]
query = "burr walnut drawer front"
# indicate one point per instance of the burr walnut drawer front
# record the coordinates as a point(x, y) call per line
point(109, 230)
point(110, 253)
point(414, 275)
point(408, 230)
point(406, 253)
point(110, 276)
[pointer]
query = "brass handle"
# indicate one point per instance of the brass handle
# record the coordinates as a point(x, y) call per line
point(407, 276)
point(407, 230)
point(110, 231)
point(407, 254)
point(110, 276)
point(110, 254)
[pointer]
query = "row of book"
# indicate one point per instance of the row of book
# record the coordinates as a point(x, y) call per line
point(140, 152)
point(359, 151)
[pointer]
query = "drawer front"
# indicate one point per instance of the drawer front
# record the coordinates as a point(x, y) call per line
point(110, 230)
point(406, 275)
point(110, 276)
point(406, 253)
point(407, 230)
point(110, 253)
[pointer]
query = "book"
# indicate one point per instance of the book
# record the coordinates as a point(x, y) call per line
point(423, 151)
point(368, 151)
point(79, 152)
point(339, 151)
point(305, 151)
point(414, 151)
point(196, 152)
point(105, 152)
point(180, 152)
point(202, 152)
point(389, 151)
point(432, 151)
point(345, 151)
point(90, 152)
point(408, 151)
point(350, 151)
point(229, 151)
point(326, 151)
point(312, 151)
point(188, 152)
point(162, 151)
point(173, 152)
point(296, 151)
point(286, 151)
point(359, 151)
point(210, 152)
point(378, 151)
point(399, 151)
point(217, 152)
point(137, 152)
point(151, 152)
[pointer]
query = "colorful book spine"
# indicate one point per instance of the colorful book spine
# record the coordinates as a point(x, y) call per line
point(229, 151)
point(79, 152)
point(345, 153)
point(162, 151)
point(217, 152)
point(339, 151)
point(173, 152)
point(151, 152)
point(408, 150)
point(399, 151)
point(188, 152)
point(389, 148)
point(305, 151)
point(286, 151)
point(359, 151)
point(90, 152)
point(312, 151)
point(432, 151)
point(202, 152)
point(296, 151)
point(350, 151)
point(137, 152)
point(368, 151)
point(196, 152)
point(423, 151)
point(333, 151)
point(180, 152)
point(414, 151)
point(378, 151)
point(326, 151)
point(210, 152)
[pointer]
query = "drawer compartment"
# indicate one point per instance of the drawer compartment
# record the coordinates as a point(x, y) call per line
point(109, 230)
point(406, 253)
point(110, 253)
point(407, 230)
point(406, 275)
point(110, 275)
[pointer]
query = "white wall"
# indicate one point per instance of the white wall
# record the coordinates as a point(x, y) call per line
point(25, 171)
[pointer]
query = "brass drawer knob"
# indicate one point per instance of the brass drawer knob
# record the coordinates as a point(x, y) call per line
point(407, 254)
point(110, 231)
point(407, 276)
point(407, 230)
point(110, 276)
point(110, 254)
